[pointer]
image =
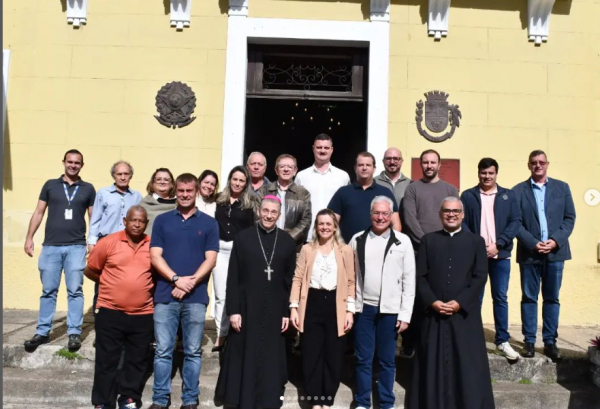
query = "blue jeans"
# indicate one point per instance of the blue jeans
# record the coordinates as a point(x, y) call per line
point(499, 272)
point(166, 321)
point(373, 329)
point(549, 274)
point(52, 261)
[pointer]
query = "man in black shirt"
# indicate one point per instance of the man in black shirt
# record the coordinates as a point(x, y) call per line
point(67, 199)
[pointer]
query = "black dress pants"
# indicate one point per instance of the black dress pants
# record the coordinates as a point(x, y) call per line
point(322, 348)
point(117, 332)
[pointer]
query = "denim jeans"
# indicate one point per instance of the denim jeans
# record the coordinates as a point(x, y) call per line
point(166, 320)
point(52, 261)
point(499, 272)
point(374, 329)
point(549, 275)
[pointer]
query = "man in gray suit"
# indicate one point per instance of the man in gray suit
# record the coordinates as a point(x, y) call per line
point(548, 218)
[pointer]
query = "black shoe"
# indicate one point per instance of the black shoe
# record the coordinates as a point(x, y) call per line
point(74, 342)
point(407, 353)
point(37, 340)
point(194, 406)
point(528, 350)
point(157, 406)
point(218, 348)
point(552, 352)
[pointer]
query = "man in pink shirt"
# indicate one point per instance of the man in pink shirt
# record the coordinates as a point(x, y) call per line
point(492, 212)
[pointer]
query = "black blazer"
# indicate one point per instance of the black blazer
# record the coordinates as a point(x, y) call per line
point(560, 215)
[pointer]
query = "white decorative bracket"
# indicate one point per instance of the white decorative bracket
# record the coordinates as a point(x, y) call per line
point(77, 12)
point(437, 25)
point(238, 8)
point(380, 10)
point(538, 16)
point(181, 12)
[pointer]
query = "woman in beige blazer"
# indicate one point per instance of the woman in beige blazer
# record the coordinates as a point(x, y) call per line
point(322, 307)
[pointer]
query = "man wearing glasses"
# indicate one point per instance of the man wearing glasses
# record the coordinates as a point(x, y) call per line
point(295, 200)
point(392, 177)
point(548, 218)
point(451, 365)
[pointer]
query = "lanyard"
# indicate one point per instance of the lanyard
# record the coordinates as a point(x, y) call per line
point(70, 199)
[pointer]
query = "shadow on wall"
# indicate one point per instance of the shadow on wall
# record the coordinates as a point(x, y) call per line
point(560, 7)
point(7, 178)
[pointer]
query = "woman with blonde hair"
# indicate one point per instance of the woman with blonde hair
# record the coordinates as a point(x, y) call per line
point(161, 196)
point(236, 211)
point(322, 307)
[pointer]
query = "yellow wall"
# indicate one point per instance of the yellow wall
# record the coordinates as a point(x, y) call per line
point(94, 89)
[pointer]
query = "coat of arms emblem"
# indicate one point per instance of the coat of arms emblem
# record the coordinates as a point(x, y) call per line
point(438, 113)
point(175, 103)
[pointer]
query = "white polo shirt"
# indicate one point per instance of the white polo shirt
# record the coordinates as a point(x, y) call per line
point(322, 187)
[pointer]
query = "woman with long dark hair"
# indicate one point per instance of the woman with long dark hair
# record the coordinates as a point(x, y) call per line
point(208, 186)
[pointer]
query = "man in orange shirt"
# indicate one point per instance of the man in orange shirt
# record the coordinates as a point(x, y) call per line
point(120, 263)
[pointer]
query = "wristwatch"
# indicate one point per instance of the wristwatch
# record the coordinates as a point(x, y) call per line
point(174, 278)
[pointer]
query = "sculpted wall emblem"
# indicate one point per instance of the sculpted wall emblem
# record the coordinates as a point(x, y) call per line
point(438, 113)
point(175, 103)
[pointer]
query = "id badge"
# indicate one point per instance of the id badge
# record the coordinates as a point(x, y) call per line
point(68, 214)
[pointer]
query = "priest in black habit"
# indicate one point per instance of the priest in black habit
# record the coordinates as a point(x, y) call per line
point(451, 369)
point(263, 259)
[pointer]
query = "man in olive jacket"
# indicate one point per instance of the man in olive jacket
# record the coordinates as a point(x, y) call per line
point(295, 208)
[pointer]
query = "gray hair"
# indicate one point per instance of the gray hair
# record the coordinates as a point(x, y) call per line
point(451, 199)
point(269, 200)
point(137, 208)
point(380, 199)
point(114, 167)
point(256, 153)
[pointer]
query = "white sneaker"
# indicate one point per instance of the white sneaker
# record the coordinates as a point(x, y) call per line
point(506, 350)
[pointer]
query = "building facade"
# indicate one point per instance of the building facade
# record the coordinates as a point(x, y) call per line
point(85, 74)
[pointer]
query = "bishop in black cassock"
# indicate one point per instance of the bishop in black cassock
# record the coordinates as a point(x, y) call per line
point(451, 369)
point(254, 371)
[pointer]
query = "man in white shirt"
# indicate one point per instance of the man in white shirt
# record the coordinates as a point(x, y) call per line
point(322, 179)
point(385, 293)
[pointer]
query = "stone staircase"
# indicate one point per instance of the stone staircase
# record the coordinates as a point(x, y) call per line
point(46, 378)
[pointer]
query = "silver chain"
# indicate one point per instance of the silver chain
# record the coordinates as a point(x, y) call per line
point(263, 249)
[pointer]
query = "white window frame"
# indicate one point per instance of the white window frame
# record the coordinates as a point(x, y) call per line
point(243, 30)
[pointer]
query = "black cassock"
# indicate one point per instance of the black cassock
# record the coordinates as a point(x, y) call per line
point(254, 371)
point(451, 368)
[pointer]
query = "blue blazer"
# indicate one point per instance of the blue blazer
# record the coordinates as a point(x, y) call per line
point(560, 214)
point(507, 217)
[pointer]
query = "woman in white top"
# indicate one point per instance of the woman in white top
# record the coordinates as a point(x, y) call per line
point(322, 307)
point(208, 186)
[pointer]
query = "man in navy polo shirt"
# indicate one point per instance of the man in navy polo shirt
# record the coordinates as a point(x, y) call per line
point(67, 199)
point(184, 250)
point(352, 204)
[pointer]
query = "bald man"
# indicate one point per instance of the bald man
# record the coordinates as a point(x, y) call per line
point(392, 177)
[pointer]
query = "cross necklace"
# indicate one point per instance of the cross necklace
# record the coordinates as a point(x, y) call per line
point(267, 270)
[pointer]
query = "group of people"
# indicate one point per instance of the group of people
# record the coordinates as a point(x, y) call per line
point(309, 252)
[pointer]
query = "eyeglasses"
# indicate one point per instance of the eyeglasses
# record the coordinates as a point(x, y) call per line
point(452, 211)
point(538, 162)
point(384, 214)
point(267, 212)
point(392, 159)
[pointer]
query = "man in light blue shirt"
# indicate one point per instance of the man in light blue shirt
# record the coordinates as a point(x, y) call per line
point(112, 203)
point(539, 192)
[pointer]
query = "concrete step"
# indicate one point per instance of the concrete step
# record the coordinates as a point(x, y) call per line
point(574, 367)
point(66, 388)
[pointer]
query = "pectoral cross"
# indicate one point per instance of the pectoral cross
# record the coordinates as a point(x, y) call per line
point(268, 270)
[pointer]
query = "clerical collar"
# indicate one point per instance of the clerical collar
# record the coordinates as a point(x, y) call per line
point(265, 230)
point(452, 233)
point(384, 235)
